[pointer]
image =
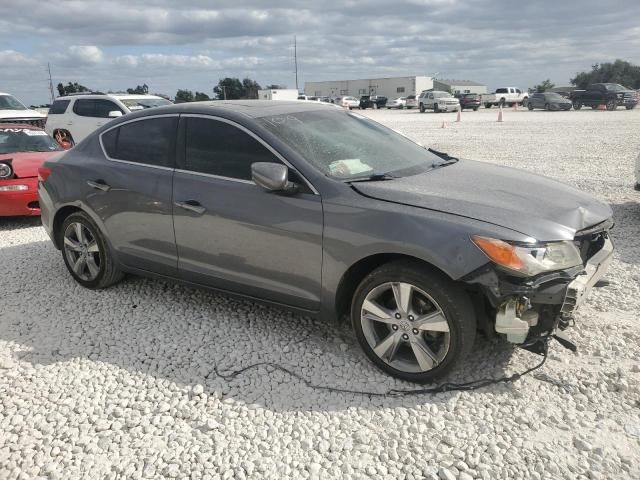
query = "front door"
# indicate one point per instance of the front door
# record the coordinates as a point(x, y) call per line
point(236, 236)
point(131, 192)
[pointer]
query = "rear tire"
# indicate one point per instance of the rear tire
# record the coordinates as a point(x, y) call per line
point(547, 107)
point(433, 312)
point(487, 105)
point(612, 105)
point(422, 108)
point(530, 106)
point(629, 107)
point(86, 253)
point(577, 105)
point(436, 109)
point(475, 109)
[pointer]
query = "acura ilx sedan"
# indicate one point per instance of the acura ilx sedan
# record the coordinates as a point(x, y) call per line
point(326, 212)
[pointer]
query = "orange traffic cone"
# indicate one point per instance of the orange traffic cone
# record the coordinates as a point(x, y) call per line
point(458, 116)
point(443, 125)
point(500, 114)
point(602, 106)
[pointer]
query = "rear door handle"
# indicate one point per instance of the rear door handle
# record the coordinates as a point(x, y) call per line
point(99, 185)
point(192, 206)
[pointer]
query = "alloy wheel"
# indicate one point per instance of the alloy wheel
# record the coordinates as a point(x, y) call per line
point(82, 251)
point(405, 327)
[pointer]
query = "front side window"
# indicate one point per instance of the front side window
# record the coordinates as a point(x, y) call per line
point(150, 142)
point(218, 148)
point(345, 145)
point(103, 107)
point(502, 90)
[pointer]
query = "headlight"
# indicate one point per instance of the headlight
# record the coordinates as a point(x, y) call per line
point(5, 171)
point(529, 260)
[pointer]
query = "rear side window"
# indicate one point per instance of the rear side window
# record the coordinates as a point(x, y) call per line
point(150, 142)
point(97, 108)
point(59, 107)
point(221, 149)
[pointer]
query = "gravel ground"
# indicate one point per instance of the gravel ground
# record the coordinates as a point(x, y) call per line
point(120, 383)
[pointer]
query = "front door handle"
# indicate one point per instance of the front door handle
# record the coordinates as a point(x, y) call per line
point(99, 185)
point(192, 206)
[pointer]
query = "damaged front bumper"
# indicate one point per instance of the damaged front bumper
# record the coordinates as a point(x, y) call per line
point(523, 308)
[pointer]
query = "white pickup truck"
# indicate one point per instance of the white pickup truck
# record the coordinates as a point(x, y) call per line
point(13, 111)
point(505, 96)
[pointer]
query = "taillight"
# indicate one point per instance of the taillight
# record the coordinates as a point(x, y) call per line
point(43, 173)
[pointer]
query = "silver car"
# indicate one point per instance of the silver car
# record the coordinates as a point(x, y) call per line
point(331, 214)
point(398, 103)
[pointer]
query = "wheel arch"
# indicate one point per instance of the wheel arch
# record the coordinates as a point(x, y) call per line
point(59, 219)
point(352, 277)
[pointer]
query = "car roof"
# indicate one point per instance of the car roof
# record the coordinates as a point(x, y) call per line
point(246, 108)
point(23, 126)
point(120, 96)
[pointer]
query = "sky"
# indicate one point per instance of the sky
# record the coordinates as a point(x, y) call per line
point(191, 44)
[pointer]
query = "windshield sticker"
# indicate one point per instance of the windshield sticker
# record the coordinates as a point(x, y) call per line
point(26, 131)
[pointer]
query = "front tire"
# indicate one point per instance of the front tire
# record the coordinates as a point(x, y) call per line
point(422, 108)
point(530, 106)
point(577, 105)
point(547, 107)
point(612, 105)
point(436, 109)
point(86, 253)
point(413, 323)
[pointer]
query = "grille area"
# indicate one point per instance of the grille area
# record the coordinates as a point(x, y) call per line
point(36, 122)
point(591, 241)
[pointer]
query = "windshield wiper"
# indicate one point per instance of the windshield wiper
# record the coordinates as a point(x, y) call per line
point(442, 155)
point(374, 177)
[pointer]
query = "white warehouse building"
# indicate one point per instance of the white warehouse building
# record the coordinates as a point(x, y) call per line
point(389, 87)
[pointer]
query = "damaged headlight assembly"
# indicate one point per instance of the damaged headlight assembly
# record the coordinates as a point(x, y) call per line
point(529, 260)
point(515, 317)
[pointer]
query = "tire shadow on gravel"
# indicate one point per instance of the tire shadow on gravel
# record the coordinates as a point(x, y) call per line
point(160, 332)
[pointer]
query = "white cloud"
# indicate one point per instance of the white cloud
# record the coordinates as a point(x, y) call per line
point(86, 53)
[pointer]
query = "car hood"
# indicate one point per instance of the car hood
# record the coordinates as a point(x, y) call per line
point(26, 164)
point(20, 114)
point(531, 204)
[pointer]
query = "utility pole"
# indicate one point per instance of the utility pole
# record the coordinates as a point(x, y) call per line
point(50, 83)
point(295, 59)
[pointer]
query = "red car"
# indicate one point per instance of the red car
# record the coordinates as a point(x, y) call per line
point(23, 148)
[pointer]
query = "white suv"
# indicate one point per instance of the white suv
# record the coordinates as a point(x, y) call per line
point(438, 101)
point(75, 116)
point(13, 111)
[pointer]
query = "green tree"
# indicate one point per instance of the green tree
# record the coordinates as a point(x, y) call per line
point(74, 87)
point(620, 71)
point(229, 88)
point(139, 90)
point(201, 97)
point(544, 86)
point(250, 88)
point(275, 86)
point(183, 96)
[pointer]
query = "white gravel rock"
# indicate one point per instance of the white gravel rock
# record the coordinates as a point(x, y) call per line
point(119, 383)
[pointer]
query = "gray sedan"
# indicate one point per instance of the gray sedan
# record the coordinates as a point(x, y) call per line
point(328, 213)
point(548, 101)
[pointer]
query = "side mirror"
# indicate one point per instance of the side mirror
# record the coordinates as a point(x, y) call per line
point(115, 114)
point(273, 177)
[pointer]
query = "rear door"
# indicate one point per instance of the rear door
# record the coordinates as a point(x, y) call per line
point(232, 234)
point(132, 192)
point(89, 114)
